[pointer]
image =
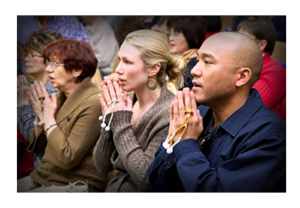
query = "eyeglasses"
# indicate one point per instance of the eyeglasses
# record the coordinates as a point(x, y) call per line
point(51, 63)
point(30, 55)
point(175, 34)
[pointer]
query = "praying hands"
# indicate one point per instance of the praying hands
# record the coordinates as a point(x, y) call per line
point(112, 102)
point(185, 120)
point(44, 107)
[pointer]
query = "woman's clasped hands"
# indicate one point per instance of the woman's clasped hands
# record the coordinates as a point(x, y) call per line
point(112, 101)
point(43, 106)
point(112, 96)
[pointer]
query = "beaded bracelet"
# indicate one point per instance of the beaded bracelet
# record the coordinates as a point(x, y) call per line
point(49, 127)
point(169, 143)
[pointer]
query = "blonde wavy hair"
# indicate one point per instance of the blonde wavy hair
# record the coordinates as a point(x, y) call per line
point(154, 48)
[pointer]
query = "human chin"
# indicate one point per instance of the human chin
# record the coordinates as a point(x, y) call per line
point(173, 50)
point(29, 70)
point(199, 97)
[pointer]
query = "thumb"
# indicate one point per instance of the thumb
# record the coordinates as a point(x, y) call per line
point(53, 98)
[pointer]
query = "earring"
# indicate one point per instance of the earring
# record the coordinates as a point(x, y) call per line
point(154, 84)
point(75, 79)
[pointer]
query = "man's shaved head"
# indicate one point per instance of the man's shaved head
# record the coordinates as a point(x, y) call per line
point(243, 50)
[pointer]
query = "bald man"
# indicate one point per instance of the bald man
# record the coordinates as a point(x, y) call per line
point(233, 142)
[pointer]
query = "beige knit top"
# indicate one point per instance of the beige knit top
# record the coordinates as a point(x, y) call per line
point(131, 151)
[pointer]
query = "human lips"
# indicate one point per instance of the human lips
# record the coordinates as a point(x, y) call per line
point(27, 66)
point(51, 79)
point(196, 86)
point(121, 81)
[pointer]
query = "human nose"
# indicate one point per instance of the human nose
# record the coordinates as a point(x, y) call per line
point(49, 68)
point(196, 70)
point(27, 58)
point(119, 69)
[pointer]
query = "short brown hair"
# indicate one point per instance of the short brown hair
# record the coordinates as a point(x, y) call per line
point(126, 26)
point(262, 29)
point(194, 28)
point(74, 54)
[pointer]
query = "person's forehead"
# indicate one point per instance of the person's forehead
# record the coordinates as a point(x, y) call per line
point(128, 49)
point(217, 48)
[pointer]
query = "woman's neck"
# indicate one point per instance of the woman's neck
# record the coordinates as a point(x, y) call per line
point(69, 89)
point(147, 97)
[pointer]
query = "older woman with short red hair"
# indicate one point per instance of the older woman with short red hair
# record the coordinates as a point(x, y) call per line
point(68, 124)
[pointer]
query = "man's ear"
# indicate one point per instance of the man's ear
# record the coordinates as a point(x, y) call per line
point(262, 45)
point(154, 69)
point(243, 76)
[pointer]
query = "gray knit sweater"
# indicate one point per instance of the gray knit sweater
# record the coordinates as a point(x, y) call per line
point(131, 151)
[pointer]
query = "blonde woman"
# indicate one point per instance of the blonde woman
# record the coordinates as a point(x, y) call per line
point(135, 128)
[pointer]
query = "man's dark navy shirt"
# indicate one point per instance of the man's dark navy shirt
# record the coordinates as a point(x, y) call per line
point(247, 154)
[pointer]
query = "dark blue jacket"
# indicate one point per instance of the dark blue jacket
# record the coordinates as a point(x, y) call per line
point(247, 154)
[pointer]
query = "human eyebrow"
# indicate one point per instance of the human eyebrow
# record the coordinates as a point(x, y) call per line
point(208, 55)
point(197, 56)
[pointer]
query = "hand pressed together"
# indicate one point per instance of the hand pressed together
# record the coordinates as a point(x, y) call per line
point(111, 93)
point(36, 95)
point(184, 101)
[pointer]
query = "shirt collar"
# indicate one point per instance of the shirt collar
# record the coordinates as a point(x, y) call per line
point(239, 118)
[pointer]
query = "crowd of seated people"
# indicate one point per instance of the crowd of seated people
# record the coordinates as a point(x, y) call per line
point(150, 104)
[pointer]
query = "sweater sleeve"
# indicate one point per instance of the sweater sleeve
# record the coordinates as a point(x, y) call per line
point(103, 151)
point(136, 159)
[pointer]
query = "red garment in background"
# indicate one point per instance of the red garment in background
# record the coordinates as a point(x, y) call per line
point(208, 34)
point(272, 85)
point(26, 162)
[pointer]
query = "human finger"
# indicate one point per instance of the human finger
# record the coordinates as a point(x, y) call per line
point(171, 115)
point(175, 110)
point(102, 103)
point(39, 91)
point(181, 108)
point(106, 94)
point(187, 99)
point(171, 112)
point(44, 90)
point(35, 96)
point(111, 90)
point(118, 92)
point(193, 101)
point(31, 99)
point(114, 77)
